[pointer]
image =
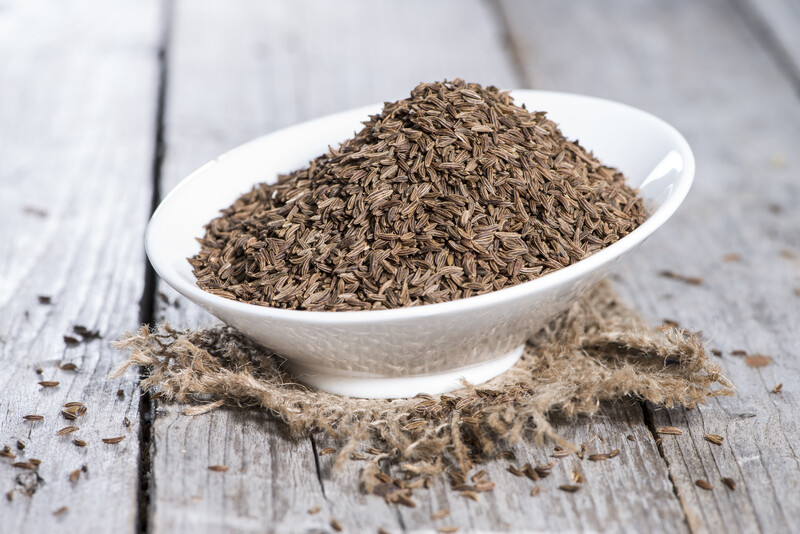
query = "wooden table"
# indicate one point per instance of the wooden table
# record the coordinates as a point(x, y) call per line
point(105, 106)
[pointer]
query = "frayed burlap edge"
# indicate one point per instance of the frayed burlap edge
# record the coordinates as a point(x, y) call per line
point(599, 350)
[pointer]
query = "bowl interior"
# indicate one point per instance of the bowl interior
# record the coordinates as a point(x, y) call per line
point(652, 155)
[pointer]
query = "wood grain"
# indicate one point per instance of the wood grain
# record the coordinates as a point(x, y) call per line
point(776, 23)
point(78, 99)
point(617, 495)
point(261, 72)
point(699, 66)
point(267, 66)
point(78, 85)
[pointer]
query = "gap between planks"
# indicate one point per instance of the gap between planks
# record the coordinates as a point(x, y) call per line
point(147, 304)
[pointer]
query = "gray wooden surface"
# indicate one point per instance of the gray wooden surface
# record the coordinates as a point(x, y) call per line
point(77, 116)
point(105, 104)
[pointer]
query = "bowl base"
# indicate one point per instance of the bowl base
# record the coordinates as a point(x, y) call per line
point(393, 388)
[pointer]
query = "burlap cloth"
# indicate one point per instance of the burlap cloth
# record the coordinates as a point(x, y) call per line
point(597, 351)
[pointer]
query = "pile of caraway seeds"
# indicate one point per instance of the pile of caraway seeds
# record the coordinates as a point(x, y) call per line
point(450, 193)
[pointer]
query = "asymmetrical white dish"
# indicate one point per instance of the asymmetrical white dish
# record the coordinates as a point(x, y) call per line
point(402, 352)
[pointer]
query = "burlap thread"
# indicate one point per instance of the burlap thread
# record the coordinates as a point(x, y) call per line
point(598, 351)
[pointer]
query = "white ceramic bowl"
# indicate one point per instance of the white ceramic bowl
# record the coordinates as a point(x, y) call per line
point(401, 352)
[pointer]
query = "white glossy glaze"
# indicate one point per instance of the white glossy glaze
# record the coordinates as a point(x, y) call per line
point(401, 352)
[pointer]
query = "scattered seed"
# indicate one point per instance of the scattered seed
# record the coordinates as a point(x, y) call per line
point(79, 442)
point(45, 299)
point(383, 477)
point(448, 530)
point(630, 437)
point(716, 439)
point(669, 323)
point(716, 352)
point(577, 477)
point(326, 451)
point(470, 495)
point(405, 500)
point(20, 445)
point(74, 404)
point(730, 483)
point(61, 511)
point(691, 280)
point(416, 484)
point(530, 472)
point(479, 476)
point(218, 468)
point(778, 388)
point(120, 393)
point(571, 488)
point(670, 430)
point(598, 457)
point(506, 455)
point(314, 510)
point(85, 333)
point(68, 367)
point(33, 417)
point(10, 495)
point(85, 468)
point(113, 440)
point(444, 512)
point(703, 484)
point(24, 465)
point(484, 487)
point(536, 490)
point(33, 210)
point(67, 430)
point(35, 461)
point(75, 475)
point(48, 383)
point(614, 453)
point(126, 422)
point(335, 525)
point(39, 370)
point(71, 340)
point(5, 453)
point(758, 360)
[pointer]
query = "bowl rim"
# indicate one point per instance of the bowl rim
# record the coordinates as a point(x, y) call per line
point(563, 275)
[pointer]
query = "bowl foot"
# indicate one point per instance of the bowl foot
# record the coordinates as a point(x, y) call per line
point(386, 388)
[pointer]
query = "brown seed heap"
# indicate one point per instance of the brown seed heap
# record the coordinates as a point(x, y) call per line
point(451, 193)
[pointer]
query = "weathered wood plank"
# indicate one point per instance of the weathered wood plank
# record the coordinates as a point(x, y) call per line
point(256, 84)
point(77, 106)
point(777, 23)
point(262, 67)
point(616, 495)
point(697, 65)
